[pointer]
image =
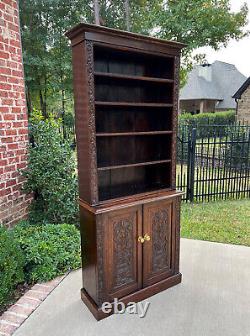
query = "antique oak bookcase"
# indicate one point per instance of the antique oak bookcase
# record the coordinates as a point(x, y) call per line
point(126, 97)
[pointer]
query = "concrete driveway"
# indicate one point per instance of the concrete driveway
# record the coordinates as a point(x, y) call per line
point(213, 299)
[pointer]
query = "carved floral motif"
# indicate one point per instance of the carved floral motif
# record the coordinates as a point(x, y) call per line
point(123, 251)
point(91, 121)
point(101, 292)
point(160, 257)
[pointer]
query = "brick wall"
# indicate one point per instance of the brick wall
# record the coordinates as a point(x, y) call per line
point(13, 117)
point(243, 110)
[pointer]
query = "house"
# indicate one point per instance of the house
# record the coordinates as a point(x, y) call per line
point(210, 88)
point(242, 97)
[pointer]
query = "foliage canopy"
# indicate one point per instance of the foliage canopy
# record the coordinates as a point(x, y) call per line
point(47, 56)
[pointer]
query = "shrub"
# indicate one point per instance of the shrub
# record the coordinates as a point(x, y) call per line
point(237, 154)
point(51, 172)
point(50, 250)
point(11, 265)
point(205, 122)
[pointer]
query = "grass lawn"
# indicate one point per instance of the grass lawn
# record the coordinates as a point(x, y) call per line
point(222, 221)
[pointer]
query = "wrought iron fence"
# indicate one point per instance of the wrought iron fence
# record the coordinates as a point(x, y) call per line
point(215, 166)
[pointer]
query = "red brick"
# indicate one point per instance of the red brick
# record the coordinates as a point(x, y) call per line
point(7, 329)
point(7, 139)
point(5, 71)
point(19, 309)
point(7, 101)
point(17, 73)
point(5, 86)
point(9, 2)
point(37, 294)
point(12, 65)
point(18, 124)
point(13, 146)
point(11, 132)
point(13, 317)
point(28, 301)
point(8, 17)
point(2, 92)
point(10, 183)
point(4, 79)
point(42, 288)
point(4, 109)
point(4, 55)
point(14, 80)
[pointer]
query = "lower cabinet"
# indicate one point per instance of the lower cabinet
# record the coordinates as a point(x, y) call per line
point(138, 249)
point(130, 251)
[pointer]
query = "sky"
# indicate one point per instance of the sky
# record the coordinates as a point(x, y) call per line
point(237, 52)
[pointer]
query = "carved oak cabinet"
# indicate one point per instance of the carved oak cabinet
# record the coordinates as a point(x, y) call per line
point(126, 96)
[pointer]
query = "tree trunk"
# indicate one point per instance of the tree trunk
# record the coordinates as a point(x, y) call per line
point(97, 12)
point(63, 114)
point(29, 102)
point(127, 14)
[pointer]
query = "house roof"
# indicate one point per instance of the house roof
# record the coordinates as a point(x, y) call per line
point(216, 81)
point(243, 87)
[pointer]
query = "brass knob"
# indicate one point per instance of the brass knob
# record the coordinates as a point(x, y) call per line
point(141, 239)
point(146, 237)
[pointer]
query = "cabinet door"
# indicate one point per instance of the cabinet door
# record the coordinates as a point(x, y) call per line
point(157, 252)
point(123, 255)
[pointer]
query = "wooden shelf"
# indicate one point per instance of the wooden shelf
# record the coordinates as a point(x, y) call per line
point(133, 165)
point(133, 133)
point(104, 103)
point(132, 77)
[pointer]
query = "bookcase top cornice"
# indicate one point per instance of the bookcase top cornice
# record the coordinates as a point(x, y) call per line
point(92, 32)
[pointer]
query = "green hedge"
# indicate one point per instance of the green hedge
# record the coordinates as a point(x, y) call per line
point(205, 123)
point(237, 152)
point(11, 265)
point(51, 173)
point(49, 250)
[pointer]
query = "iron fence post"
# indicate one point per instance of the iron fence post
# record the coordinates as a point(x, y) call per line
point(191, 165)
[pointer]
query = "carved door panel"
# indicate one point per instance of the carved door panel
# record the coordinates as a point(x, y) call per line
point(123, 255)
point(157, 252)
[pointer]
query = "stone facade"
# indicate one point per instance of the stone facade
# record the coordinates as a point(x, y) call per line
point(243, 108)
point(13, 117)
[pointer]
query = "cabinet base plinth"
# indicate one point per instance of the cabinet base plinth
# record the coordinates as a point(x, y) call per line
point(137, 296)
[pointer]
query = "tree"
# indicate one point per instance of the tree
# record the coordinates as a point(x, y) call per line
point(47, 56)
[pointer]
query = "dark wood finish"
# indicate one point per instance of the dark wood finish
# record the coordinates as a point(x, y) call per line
point(126, 98)
point(157, 254)
point(133, 133)
point(142, 78)
point(138, 296)
point(122, 253)
point(134, 164)
point(116, 103)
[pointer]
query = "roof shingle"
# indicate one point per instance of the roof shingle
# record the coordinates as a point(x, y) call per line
point(216, 81)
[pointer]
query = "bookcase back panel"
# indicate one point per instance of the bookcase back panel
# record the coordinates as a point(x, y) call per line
point(132, 63)
point(129, 90)
point(127, 181)
point(133, 119)
point(121, 150)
